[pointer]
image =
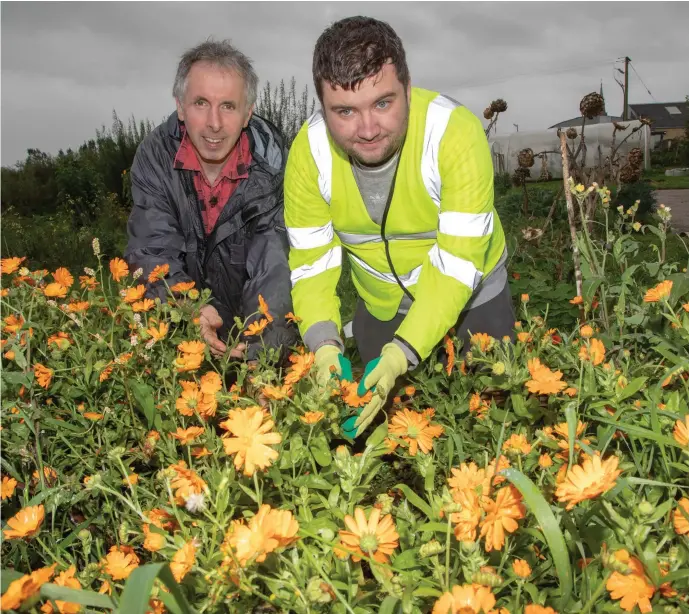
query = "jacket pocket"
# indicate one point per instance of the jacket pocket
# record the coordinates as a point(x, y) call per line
point(238, 254)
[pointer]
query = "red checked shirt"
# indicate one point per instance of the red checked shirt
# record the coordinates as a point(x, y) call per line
point(214, 197)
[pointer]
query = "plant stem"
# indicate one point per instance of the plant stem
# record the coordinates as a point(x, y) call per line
point(596, 594)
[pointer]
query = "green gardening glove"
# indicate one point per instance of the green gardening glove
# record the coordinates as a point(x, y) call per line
point(327, 361)
point(391, 365)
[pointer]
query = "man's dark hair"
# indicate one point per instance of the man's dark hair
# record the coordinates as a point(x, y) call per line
point(354, 49)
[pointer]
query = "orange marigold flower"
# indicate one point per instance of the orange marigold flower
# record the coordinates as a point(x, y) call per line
point(570, 391)
point(681, 431)
point(517, 444)
point(131, 480)
point(158, 332)
point(483, 341)
point(188, 362)
point(158, 272)
point(265, 532)
point(43, 375)
point(659, 292)
point(680, 520)
point(686, 307)
point(49, 475)
point(545, 461)
point(153, 541)
point(183, 286)
point(501, 515)
point(466, 599)
point(105, 373)
point(415, 430)
point(143, 306)
point(61, 340)
point(13, 323)
point(251, 441)
point(478, 405)
point(521, 568)
point(276, 393)
point(186, 436)
point(87, 282)
point(301, 365)
point(373, 537)
point(78, 306)
point(26, 523)
point(543, 380)
point(263, 308)
point(450, 351)
point(633, 589)
point(593, 351)
point(183, 561)
point(577, 300)
point(118, 269)
point(312, 417)
point(8, 486)
point(66, 579)
point(211, 383)
point(185, 482)
point(188, 402)
point(466, 477)
point(26, 587)
point(256, 328)
point(290, 317)
point(538, 609)
point(162, 519)
point(120, 562)
point(200, 452)
point(63, 277)
point(92, 415)
point(10, 265)
point(192, 347)
point(350, 394)
point(524, 337)
point(466, 521)
point(586, 331)
point(55, 290)
point(588, 480)
point(134, 294)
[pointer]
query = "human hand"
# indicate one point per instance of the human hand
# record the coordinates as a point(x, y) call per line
point(209, 323)
point(327, 361)
point(391, 364)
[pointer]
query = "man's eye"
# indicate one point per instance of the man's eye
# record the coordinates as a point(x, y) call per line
point(383, 104)
point(345, 112)
point(200, 103)
point(228, 107)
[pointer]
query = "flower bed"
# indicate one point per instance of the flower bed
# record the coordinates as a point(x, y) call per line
point(139, 474)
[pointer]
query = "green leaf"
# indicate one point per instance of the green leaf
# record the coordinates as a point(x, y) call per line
point(73, 595)
point(321, 451)
point(551, 530)
point(144, 398)
point(432, 526)
point(407, 559)
point(671, 577)
point(425, 591)
point(415, 500)
point(631, 388)
point(389, 606)
point(377, 437)
point(638, 431)
point(137, 589)
point(17, 378)
point(571, 415)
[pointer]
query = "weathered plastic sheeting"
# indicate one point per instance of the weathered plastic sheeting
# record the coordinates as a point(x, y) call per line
point(598, 144)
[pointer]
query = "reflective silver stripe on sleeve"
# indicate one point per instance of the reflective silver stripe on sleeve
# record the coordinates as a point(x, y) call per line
point(320, 150)
point(458, 224)
point(330, 260)
point(308, 238)
point(461, 270)
point(408, 279)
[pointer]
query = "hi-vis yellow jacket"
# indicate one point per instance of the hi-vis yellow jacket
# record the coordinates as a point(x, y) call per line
point(444, 233)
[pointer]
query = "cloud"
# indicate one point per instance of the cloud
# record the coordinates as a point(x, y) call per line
point(67, 65)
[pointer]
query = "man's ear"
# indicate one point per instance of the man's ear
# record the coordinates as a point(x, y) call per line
point(248, 115)
point(180, 110)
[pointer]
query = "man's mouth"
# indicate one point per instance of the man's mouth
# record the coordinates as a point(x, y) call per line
point(212, 141)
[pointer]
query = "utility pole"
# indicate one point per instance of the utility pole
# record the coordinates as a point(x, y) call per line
point(627, 59)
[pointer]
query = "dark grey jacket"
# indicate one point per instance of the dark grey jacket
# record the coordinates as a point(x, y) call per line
point(244, 256)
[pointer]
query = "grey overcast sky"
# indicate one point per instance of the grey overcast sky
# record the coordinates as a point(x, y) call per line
point(67, 65)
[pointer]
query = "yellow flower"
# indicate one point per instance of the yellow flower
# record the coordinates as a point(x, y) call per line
point(131, 480)
point(501, 515)
point(586, 331)
point(545, 461)
point(153, 541)
point(543, 380)
point(373, 537)
point(55, 290)
point(120, 562)
point(251, 441)
point(415, 430)
point(524, 337)
point(466, 599)
point(588, 480)
point(517, 444)
point(186, 436)
point(681, 431)
point(659, 292)
point(312, 417)
point(633, 589)
point(525, 298)
point(276, 393)
point(66, 579)
point(521, 568)
point(26, 523)
point(183, 561)
point(26, 587)
point(118, 269)
point(8, 486)
point(681, 520)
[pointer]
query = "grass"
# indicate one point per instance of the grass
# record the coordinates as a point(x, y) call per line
point(660, 181)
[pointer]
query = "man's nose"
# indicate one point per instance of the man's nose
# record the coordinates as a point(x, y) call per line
point(213, 119)
point(368, 127)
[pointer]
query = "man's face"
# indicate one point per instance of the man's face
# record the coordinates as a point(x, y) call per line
point(370, 122)
point(214, 111)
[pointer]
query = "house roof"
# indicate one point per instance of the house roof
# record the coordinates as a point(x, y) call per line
point(576, 121)
point(662, 114)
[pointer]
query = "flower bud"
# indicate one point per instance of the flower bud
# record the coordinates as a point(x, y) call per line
point(487, 577)
point(498, 368)
point(123, 531)
point(318, 591)
point(430, 548)
point(385, 502)
point(645, 508)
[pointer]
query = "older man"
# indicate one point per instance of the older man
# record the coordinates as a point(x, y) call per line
point(208, 200)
